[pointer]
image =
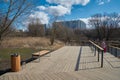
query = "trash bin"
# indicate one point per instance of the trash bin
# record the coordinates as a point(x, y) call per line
point(15, 62)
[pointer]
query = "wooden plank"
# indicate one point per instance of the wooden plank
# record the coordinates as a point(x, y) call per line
point(61, 65)
point(40, 53)
point(96, 45)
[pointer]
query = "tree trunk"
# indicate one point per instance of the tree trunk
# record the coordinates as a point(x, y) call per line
point(0, 37)
point(0, 40)
point(52, 40)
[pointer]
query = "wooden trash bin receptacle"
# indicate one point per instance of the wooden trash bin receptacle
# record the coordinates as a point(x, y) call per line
point(15, 63)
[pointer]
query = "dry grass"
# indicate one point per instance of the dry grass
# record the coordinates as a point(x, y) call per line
point(30, 42)
point(24, 46)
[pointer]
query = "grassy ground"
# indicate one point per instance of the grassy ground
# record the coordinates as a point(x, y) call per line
point(5, 55)
point(25, 47)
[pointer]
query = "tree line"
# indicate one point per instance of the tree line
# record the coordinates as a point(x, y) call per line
point(104, 26)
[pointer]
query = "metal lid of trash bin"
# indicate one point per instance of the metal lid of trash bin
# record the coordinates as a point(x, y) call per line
point(14, 55)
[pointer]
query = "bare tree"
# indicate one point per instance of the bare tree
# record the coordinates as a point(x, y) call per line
point(53, 29)
point(95, 21)
point(63, 33)
point(11, 12)
point(112, 23)
point(104, 24)
point(35, 28)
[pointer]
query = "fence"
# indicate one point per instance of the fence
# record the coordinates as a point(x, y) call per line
point(114, 51)
point(98, 49)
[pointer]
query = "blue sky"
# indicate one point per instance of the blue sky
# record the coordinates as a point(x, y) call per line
point(94, 7)
point(45, 10)
point(73, 9)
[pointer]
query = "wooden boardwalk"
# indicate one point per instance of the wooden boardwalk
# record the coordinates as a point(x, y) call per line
point(69, 63)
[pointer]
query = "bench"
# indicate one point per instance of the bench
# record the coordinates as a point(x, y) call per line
point(40, 53)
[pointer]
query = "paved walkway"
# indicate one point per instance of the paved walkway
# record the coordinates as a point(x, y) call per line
point(69, 63)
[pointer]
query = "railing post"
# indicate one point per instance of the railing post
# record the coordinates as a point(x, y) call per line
point(102, 59)
point(108, 49)
point(116, 52)
point(95, 51)
point(92, 47)
point(98, 54)
point(111, 50)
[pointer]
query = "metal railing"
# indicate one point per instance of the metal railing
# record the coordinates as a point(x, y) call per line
point(99, 49)
point(114, 50)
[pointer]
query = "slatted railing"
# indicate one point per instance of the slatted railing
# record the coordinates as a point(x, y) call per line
point(114, 50)
point(99, 49)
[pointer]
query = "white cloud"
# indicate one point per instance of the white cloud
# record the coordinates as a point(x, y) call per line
point(62, 8)
point(41, 7)
point(83, 2)
point(69, 3)
point(86, 21)
point(58, 10)
point(40, 15)
point(101, 2)
point(43, 17)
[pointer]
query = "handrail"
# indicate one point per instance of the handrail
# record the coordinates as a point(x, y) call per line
point(96, 45)
point(114, 47)
point(113, 41)
point(99, 49)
